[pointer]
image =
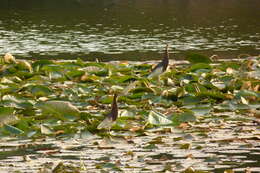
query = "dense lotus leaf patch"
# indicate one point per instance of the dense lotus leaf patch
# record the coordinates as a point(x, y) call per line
point(80, 93)
point(45, 88)
point(169, 123)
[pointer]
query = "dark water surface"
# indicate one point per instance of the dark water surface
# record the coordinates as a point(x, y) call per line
point(133, 30)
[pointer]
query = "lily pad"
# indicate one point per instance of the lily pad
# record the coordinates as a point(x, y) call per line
point(157, 118)
point(197, 58)
point(61, 108)
point(6, 115)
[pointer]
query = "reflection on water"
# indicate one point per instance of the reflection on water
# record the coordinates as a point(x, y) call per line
point(204, 155)
point(128, 29)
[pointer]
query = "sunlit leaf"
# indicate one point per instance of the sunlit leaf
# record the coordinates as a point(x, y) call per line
point(9, 58)
point(62, 108)
point(24, 65)
point(6, 115)
point(157, 118)
point(46, 130)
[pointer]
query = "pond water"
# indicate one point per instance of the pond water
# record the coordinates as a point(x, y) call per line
point(132, 30)
point(154, 152)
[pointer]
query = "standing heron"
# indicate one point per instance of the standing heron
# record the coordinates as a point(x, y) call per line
point(111, 117)
point(161, 66)
point(156, 71)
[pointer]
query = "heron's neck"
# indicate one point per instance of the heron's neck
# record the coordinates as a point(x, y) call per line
point(114, 110)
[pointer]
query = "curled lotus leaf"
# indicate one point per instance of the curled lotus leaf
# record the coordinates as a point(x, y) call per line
point(156, 118)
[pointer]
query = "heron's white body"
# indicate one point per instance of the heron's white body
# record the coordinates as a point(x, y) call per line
point(156, 72)
point(129, 87)
point(107, 123)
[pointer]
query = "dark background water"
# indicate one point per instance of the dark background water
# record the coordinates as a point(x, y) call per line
point(128, 29)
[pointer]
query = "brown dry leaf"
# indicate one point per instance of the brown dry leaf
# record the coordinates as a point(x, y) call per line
point(229, 96)
point(124, 62)
point(84, 77)
point(257, 114)
point(256, 88)
point(247, 170)
point(229, 171)
point(230, 70)
point(189, 156)
point(136, 128)
point(59, 132)
point(9, 58)
point(216, 71)
point(3, 68)
point(249, 64)
point(189, 170)
point(184, 125)
point(171, 110)
point(247, 85)
point(252, 98)
point(214, 58)
point(91, 107)
point(106, 143)
point(52, 152)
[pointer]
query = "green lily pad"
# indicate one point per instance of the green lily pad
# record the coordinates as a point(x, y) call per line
point(13, 130)
point(40, 90)
point(199, 66)
point(188, 116)
point(197, 58)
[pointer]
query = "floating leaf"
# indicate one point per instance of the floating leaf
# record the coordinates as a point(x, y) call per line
point(185, 146)
point(157, 118)
point(62, 108)
point(75, 73)
point(244, 101)
point(199, 111)
point(13, 130)
point(41, 63)
point(142, 89)
point(197, 58)
point(247, 93)
point(40, 90)
point(183, 117)
point(163, 156)
point(19, 103)
point(187, 100)
point(6, 115)
point(24, 65)
point(46, 130)
point(199, 66)
point(126, 113)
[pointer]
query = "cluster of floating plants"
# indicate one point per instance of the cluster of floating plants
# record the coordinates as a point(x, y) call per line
point(68, 99)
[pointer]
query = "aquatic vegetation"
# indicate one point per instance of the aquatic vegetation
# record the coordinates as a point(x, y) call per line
point(68, 99)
